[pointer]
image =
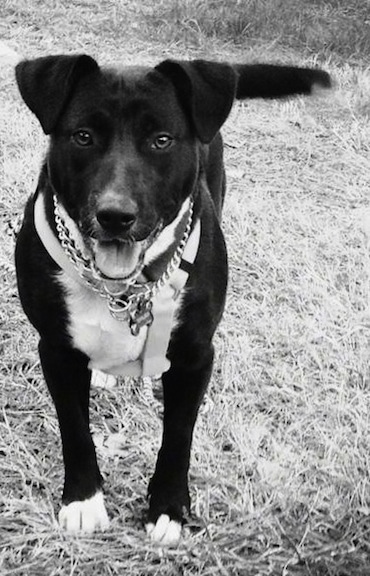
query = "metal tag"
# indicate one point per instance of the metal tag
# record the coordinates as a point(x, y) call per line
point(140, 317)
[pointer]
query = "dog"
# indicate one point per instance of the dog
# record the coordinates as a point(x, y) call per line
point(121, 262)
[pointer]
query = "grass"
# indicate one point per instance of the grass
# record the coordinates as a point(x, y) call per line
point(280, 466)
point(324, 28)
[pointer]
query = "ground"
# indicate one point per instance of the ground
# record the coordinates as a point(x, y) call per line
point(280, 466)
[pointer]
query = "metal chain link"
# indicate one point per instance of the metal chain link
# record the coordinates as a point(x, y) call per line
point(131, 295)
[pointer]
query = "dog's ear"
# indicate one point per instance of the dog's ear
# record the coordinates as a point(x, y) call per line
point(206, 90)
point(47, 83)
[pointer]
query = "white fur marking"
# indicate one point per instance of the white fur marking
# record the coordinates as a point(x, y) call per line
point(101, 380)
point(84, 516)
point(166, 531)
point(107, 342)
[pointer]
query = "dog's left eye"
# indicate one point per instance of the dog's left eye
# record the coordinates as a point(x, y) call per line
point(82, 138)
point(162, 141)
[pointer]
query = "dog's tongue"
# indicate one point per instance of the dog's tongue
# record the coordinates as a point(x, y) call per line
point(116, 259)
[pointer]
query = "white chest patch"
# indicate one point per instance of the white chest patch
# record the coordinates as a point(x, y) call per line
point(107, 342)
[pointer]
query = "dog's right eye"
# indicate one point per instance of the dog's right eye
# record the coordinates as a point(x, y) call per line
point(82, 138)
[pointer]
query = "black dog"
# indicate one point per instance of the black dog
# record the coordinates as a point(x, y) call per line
point(121, 262)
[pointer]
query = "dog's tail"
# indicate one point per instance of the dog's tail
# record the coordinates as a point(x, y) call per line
point(274, 81)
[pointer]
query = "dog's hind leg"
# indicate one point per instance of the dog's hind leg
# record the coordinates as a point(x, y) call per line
point(68, 379)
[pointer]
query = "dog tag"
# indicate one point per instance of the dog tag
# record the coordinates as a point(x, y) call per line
point(142, 316)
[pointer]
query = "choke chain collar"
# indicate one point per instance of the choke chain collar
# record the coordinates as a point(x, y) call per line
point(128, 300)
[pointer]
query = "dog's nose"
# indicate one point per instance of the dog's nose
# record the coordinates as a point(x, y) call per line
point(115, 221)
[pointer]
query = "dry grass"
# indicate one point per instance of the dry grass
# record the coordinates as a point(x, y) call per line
point(280, 467)
point(324, 28)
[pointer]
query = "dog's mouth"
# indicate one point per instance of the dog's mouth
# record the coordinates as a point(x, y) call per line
point(118, 259)
point(114, 258)
point(122, 259)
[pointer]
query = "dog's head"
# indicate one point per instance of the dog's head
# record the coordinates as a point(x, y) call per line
point(125, 145)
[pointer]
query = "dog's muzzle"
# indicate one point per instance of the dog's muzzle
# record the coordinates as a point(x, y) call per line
point(122, 259)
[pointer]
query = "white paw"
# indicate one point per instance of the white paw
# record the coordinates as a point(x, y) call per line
point(84, 515)
point(165, 531)
point(102, 380)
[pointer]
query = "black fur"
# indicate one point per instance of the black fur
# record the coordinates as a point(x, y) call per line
point(273, 81)
point(125, 111)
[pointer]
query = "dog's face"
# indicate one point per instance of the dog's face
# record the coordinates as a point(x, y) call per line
point(125, 146)
point(122, 160)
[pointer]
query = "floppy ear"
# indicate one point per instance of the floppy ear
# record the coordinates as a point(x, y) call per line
point(46, 84)
point(206, 90)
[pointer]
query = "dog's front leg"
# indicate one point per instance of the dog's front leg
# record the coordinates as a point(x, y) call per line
point(68, 380)
point(183, 387)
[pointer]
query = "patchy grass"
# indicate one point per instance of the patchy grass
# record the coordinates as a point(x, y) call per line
point(324, 28)
point(280, 467)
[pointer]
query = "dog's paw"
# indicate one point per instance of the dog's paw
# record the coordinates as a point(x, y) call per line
point(102, 380)
point(165, 532)
point(85, 516)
